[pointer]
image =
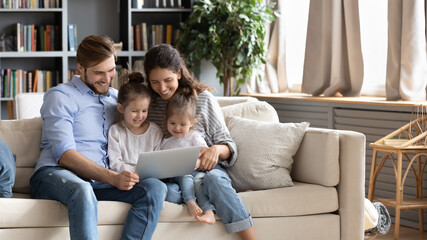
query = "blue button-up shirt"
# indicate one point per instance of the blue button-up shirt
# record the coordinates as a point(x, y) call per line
point(74, 117)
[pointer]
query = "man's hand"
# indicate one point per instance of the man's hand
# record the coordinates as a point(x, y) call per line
point(126, 180)
point(208, 158)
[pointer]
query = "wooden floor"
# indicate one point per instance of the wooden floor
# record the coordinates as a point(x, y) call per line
point(406, 233)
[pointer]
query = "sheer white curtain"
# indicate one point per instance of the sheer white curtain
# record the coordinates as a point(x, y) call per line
point(333, 58)
point(406, 76)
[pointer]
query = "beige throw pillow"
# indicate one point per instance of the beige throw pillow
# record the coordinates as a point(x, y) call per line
point(265, 152)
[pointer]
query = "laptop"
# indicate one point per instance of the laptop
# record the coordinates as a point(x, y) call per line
point(167, 163)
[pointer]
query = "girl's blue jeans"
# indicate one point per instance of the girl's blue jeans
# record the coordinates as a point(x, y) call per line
point(81, 196)
point(230, 208)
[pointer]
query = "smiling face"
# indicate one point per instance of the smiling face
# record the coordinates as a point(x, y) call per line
point(135, 113)
point(164, 82)
point(179, 125)
point(98, 77)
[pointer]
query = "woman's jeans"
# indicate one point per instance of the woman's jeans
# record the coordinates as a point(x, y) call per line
point(229, 206)
point(7, 170)
point(81, 196)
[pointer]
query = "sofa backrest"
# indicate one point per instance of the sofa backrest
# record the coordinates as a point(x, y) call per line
point(23, 137)
point(315, 162)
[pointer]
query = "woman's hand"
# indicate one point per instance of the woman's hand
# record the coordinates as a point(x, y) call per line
point(208, 158)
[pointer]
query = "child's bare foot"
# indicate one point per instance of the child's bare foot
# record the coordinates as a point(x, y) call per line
point(193, 208)
point(207, 217)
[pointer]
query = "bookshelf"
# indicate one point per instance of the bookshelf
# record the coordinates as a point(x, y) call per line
point(115, 18)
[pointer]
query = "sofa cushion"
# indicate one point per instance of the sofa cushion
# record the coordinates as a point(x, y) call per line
point(265, 153)
point(317, 159)
point(302, 199)
point(259, 110)
point(226, 101)
point(23, 137)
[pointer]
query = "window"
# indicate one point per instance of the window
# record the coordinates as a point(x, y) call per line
point(373, 33)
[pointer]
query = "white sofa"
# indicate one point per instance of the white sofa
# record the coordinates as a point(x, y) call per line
point(326, 202)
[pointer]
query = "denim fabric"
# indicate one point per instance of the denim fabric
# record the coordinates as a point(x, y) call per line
point(174, 193)
point(7, 170)
point(202, 198)
point(81, 196)
point(229, 206)
point(186, 184)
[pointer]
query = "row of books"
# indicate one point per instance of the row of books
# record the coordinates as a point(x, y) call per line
point(20, 81)
point(139, 4)
point(14, 4)
point(30, 37)
point(146, 35)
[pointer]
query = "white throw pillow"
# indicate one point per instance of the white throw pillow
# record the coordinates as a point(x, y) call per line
point(265, 152)
point(260, 110)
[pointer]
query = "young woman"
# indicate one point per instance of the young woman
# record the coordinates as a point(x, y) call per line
point(166, 72)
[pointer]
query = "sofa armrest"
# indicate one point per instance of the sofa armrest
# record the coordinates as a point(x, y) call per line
point(332, 157)
point(351, 188)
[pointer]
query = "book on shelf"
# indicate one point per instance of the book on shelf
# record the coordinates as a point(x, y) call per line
point(169, 34)
point(132, 41)
point(18, 33)
point(137, 35)
point(72, 37)
point(144, 37)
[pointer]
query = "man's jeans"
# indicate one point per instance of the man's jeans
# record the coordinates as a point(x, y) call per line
point(81, 196)
point(7, 170)
point(229, 206)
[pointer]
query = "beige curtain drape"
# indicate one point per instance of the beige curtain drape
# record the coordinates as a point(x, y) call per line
point(273, 74)
point(333, 62)
point(406, 76)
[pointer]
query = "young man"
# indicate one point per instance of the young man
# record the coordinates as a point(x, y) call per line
point(73, 166)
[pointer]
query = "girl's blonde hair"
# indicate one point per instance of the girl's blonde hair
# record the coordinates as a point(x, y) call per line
point(183, 104)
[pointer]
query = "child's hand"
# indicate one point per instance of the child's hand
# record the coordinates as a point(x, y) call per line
point(126, 180)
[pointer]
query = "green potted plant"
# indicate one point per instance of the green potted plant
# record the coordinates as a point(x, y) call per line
point(230, 34)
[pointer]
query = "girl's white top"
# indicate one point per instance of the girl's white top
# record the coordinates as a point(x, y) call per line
point(124, 146)
point(192, 138)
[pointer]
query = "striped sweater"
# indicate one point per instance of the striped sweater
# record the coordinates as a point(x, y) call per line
point(210, 122)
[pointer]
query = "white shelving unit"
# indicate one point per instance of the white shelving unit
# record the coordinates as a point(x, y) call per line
point(110, 17)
